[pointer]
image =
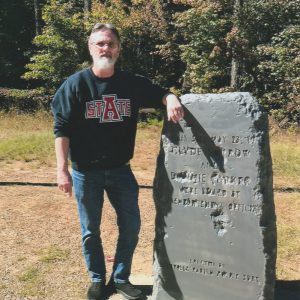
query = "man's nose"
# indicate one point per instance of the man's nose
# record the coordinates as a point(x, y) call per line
point(105, 50)
point(106, 47)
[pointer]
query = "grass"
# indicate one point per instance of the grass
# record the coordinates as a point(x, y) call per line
point(28, 147)
point(29, 275)
point(150, 122)
point(31, 280)
point(29, 137)
point(26, 137)
point(288, 249)
point(288, 231)
point(286, 156)
point(33, 277)
point(54, 254)
point(13, 123)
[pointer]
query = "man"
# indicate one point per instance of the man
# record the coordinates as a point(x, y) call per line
point(95, 112)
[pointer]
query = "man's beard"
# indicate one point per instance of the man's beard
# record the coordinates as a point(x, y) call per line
point(104, 63)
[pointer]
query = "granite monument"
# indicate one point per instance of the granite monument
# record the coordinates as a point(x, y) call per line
point(215, 218)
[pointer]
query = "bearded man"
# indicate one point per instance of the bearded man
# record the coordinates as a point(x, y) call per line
point(95, 112)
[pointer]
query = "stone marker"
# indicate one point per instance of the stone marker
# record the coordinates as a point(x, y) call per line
point(215, 223)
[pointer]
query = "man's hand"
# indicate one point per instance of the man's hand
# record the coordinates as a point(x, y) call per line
point(174, 108)
point(64, 181)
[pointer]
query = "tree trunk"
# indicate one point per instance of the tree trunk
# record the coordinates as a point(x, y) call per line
point(235, 78)
point(87, 6)
point(37, 16)
point(235, 63)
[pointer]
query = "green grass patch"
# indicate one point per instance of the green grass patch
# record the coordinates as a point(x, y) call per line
point(31, 281)
point(151, 122)
point(54, 254)
point(288, 241)
point(286, 157)
point(29, 275)
point(29, 137)
point(28, 147)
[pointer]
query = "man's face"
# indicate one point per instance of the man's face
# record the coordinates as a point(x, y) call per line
point(104, 48)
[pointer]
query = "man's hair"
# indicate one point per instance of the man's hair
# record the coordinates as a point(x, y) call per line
point(106, 26)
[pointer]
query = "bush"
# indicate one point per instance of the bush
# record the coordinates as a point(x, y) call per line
point(279, 71)
point(61, 48)
point(27, 101)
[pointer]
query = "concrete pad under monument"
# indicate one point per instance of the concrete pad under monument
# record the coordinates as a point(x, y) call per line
point(215, 219)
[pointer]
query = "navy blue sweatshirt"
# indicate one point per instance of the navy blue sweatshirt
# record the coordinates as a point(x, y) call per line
point(99, 116)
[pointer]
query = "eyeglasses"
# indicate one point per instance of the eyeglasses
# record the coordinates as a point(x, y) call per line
point(110, 45)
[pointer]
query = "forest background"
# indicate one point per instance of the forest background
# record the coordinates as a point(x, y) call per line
point(199, 46)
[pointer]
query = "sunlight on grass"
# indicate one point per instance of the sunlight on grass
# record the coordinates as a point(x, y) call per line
point(28, 147)
point(148, 134)
point(31, 280)
point(288, 251)
point(31, 274)
point(13, 124)
point(151, 123)
point(54, 254)
point(288, 235)
point(286, 158)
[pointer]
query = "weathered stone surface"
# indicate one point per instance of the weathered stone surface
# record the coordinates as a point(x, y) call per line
point(215, 222)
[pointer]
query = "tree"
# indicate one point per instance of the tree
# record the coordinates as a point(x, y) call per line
point(260, 21)
point(60, 50)
point(194, 45)
point(16, 33)
point(278, 73)
point(143, 28)
point(203, 27)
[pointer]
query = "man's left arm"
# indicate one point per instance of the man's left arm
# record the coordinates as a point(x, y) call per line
point(174, 108)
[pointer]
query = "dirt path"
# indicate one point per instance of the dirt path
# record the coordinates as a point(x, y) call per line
point(40, 238)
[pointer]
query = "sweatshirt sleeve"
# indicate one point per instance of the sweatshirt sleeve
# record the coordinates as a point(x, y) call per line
point(62, 108)
point(150, 94)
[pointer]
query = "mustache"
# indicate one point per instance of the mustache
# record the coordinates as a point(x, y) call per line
point(105, 56)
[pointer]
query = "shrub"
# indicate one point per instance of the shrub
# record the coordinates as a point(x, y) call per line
point(23, 100)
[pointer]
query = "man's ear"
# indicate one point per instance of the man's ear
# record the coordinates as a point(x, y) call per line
point(89, 46)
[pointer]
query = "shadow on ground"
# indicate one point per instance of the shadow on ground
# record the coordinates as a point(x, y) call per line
point(146, 290)
point(150, 187)
point(287, 290)
point(284, 290)
point(13, 183)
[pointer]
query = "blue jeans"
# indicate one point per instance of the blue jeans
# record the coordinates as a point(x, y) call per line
point(122, 190)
